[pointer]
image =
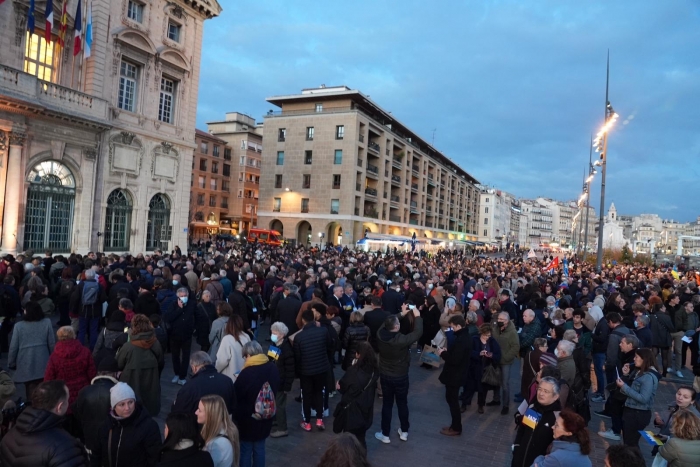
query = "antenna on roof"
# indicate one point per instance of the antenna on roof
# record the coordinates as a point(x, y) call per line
point(433, 143)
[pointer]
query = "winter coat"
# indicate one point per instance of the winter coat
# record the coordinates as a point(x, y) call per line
point(531, 366)
point(135, 441)
point(508, 342)
point(567, 367)
point(681, 452)
point(287, 311)
point(564, 454)
point(530, 443)
point(687, 321)
point(206, 381)
point(358, 388)
point(241, 306)
point(311, 348)
point(92, 408)
point(229, 358)
point(354, 334)
point(187, 457)
point(165, 298)
point(91, 311)
point(32, 343)
point(601, 336)
point(71, 362)
point(180, 321)
point(392, 301)
point(478, 363)
point(662, 327)
point(642, 390)
point(248, 385)
point(140, 360)
point(227, 286)
point(457, 358)
point(394, 357)
point(374, 319)
point(645, 337)
point(39, 440)
point(431, 322)
point(616, 336)
point(217, 292)
point(216, 334)
point(105, 345)
point(527, 336)
point(146, 304)
point(285, 364)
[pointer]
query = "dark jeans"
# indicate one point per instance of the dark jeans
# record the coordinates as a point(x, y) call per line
point(64, 318)
point(360, 435)
point(252, 454)
point(598, 363)
point(312, 395)
point(610, 374)
point(614, 407)
point(94, 326)
point(394, 387)
point(485, 388)
point(181, 356)
point(452, 398)
point(632, 421)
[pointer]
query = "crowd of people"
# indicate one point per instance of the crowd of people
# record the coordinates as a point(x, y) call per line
point(87, 337)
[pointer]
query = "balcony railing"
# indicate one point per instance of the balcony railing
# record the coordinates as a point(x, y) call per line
point(362, 138)
point(371, 192)
point(374, 146)
point(395, 198)
point(396, 163)
point(413, 221)
point(395, 218)
point(414, 186)
point(428, 224)
point(224, 205)
point(373, 169)
point(414, 204)
point(358, 187)
point(396, 178)
point(372, 214)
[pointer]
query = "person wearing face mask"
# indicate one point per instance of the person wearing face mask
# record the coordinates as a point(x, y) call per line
point(282, 354)
point(507, 337)
point(392, 299)
point(642, 331)
point(181, 322)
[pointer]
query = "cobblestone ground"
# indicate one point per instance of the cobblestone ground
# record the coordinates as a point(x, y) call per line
point(485, 441)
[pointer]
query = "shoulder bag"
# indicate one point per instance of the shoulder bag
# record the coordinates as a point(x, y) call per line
point(340, 414)
point(492, 375)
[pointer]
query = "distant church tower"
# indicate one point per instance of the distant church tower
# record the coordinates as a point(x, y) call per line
point(612, 214)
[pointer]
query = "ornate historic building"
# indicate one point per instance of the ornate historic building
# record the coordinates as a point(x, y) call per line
point(95, 152)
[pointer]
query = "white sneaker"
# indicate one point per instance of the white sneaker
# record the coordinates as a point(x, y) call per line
point(403, 435)
point(181, 382)
point(175, 379)
point(679, 373)
point(609, 434)
point(669, 370)
point(382, 438)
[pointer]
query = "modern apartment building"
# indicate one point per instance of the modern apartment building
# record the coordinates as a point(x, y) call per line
point(496, 227)
point(245, 138)
point(335, 165)
point(95, 152)
point(563, 215)
point(210, 187)
point(536, 226)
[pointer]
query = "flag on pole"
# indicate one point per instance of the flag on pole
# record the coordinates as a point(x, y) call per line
point(77, 36)
point(49, 20)
point(88, 31)
point(30, 17)
point(566, 267)
point(552, 264)
point(64, 24)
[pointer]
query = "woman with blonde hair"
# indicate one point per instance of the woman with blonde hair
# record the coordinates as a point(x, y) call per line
point(219, 432)
point(683, 448)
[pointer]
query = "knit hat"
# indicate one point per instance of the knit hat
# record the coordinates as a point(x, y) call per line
point(548, 359)
point(120, 392)
point(117, 316)
point(108, 364)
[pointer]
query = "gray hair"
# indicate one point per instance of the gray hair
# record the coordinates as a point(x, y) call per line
point(555, 384)
point(504, 314)
point(183, 290)
point(475, 302)
point(529, 312)
point(472, 317)
point(337, 287)
point(89, 274)
point(551, 299)
point(280, 328)
point(252, 348)
point(566, 346)
point(569, 335)
point(200, 358)
point(240, 284)
point(644, 319)
point(632, 340)
point(206, 292)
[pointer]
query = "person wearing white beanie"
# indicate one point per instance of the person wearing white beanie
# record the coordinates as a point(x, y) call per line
point(122, 399)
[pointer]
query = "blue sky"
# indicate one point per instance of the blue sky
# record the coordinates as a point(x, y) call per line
point(514, 89)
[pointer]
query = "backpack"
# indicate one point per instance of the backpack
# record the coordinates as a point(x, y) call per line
point(66, 288)
point(265, 408)
point(90, 292)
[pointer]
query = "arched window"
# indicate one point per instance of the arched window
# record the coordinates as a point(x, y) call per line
point(118, 221)
point(48, 219)
point(158, 229)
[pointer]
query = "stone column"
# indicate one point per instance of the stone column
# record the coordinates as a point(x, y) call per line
point(12, 192)
point(3, 172)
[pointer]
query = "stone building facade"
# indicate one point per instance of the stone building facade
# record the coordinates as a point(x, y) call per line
point(95, 152)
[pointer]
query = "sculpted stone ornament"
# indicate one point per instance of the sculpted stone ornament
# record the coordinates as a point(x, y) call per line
point(20, 22)
point(90, 153)
point(3, 141)
point(17, 138)
point(127, 137)
point(166, 147)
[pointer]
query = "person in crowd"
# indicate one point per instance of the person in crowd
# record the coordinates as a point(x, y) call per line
point(687, 320)
point(205, 381)
point(454, 373)
point(374, 319)
point(129, 437)
point(241, 305)
point(619, 455)
point(181, 322)
point(255, 424)
point(109, 338)
point(86, 302)
point(639, 386)
point(71, 363)
point(220, 434)
point(394, 360)
point(31, 345)
point(685, 400)
point(92, 406)
point(140, 361)
point(165, 295)
point(617, 332)
point(146, 302)
point(66, 285)
point(600, 337)
point(218, 328)
point(183, 443)
point(356, 333)
point(288, 307)
point(38, 438)
point(662, 328)
point(565, 360)
point(614, 405)
point(485, 352)
point(282, 353)
point(229, 358)
point(571, 445)
point(344, 451)
point(534, 434)
point(642, 331)
point(431, 322)
point(683, 448)
point(507, 337)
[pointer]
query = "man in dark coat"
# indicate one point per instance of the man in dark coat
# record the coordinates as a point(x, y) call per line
point(511, 308)
point(454, 373)
point(374, 319)
point(119, 283)
point(392, 299)
point(93, 404)
point(282, 354)
point(288, 307)
point(180, 318)
point(205, 381)
point(241, 305)
point(38, 439)
point(146, 303)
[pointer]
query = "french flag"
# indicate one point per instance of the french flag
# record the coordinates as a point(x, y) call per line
point(77, 36)
point(49, 19)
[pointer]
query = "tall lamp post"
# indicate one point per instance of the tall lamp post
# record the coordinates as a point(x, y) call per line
point(601, 144)
point(587, 187)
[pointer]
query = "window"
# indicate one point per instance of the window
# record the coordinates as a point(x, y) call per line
point(39, 57)
point(308, 156)
point(280, 158)
point(336, 181)
point(486, 221)
point(202, 182)
point(227, 154)
point(224, 202)
point(338, 158)
point(212, 201)
point(309, 133)
point(307, 181)
point(204, 147)
point(305, 205)
point(128, 79)
point(486, 233)
point(167, 100)
point(212, 184)
point(278, 181)
point(487, 200)
point(486, 210)
point(134, 11)
point(216, 151)
point(335, 206)
point(225, 186)
point(203, 164)
point(158, 229)
point(117, 221)
point(200, 199)
point(282, 134)
point(227, 170)
point(277, 205)
point(339, 131)
point(174, 31)
point(319, 107)
point(214, 167)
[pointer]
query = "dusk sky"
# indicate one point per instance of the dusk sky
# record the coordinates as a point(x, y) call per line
point(513, 89)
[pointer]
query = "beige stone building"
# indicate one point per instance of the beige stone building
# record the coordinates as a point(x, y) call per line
point(95, 152)
point(246, 141)
point(335, 163)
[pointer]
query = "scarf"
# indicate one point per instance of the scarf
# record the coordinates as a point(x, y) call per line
point(255, 360)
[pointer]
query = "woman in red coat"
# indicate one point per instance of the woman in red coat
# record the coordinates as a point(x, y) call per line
point(71, 362)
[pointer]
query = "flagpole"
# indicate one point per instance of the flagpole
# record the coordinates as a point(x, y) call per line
point(82, 43)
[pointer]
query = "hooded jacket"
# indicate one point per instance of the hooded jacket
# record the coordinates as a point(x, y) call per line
point(71, 362)
point(38, 440)
point(140, 360)
point(616, 336)
point(394, 357)
point(92, 408)
point(354, 334)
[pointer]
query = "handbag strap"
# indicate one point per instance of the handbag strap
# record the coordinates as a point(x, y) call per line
point(109, 447)
point(361, 392)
